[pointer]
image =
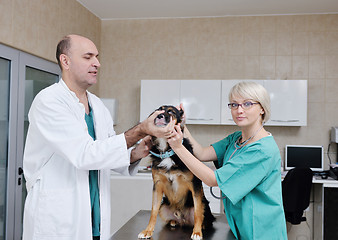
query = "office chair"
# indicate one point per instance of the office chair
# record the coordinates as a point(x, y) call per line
point(296, 189)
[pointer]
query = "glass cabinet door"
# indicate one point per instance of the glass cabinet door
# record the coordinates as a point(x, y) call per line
point(4, 129)
point(35, 81)
point(22, 76)
point(35, 74)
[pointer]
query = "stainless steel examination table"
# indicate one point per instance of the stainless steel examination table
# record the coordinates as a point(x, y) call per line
point(129, 231)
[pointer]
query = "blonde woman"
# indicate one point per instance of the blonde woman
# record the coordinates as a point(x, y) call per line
point(249, 166)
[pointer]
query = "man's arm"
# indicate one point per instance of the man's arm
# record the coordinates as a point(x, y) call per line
point(147, 127)
point(133, 135)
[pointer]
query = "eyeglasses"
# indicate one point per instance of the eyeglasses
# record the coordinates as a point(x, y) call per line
point(245, 105)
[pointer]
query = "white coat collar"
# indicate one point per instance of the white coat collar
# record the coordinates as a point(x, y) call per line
point(64, 85)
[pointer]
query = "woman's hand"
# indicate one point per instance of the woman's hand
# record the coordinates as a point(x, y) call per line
point(175, 138)
point(183, 118)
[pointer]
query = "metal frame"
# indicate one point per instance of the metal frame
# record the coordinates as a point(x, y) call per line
point(13, 56)
point(25, 60)
point(19, 62)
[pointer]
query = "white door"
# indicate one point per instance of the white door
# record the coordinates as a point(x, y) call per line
point(5, 154)
point(22, 76)
point(200, 100)
point(155, 93)
point(34, 75)
point(285, 95)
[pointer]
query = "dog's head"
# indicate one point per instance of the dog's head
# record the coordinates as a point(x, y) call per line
point(170, 112)
point(162, 120)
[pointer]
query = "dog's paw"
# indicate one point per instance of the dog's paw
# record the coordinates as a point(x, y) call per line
point(196, 236)
point(173, 223)
point(145, 234)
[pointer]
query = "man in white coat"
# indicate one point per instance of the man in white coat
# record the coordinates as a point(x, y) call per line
point(63, 147)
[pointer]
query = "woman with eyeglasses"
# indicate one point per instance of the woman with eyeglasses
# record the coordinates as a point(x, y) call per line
point(248, 172)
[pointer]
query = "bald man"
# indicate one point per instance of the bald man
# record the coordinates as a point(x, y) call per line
point(71, 147)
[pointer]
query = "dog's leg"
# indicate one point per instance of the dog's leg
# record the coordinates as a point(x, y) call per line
point(157, 199)
point(198, 214)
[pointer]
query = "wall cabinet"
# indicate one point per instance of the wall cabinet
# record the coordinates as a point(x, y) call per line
point(155, 93)
point(205, 101)
point(201, 99)
point(288, 101)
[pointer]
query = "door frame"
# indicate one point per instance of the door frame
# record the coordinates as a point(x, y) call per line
point(14, 202)
point(11, 55)
point(25, 60)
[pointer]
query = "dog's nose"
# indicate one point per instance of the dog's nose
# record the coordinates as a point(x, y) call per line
point(160, 116)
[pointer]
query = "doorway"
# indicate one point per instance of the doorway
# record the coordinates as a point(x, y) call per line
point(22, 76)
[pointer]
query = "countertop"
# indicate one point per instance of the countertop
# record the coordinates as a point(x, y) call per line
point(139, 222)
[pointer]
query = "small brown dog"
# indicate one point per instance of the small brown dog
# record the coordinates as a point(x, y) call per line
point(178, 195)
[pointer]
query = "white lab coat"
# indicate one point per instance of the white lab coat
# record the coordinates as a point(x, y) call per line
point(58, 155)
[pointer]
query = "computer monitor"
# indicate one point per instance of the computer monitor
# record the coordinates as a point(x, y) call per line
point(304, 156)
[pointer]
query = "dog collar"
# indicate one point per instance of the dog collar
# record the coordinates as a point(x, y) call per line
point(164, 155)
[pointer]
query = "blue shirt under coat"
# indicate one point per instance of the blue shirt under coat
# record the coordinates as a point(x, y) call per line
point(93, 182)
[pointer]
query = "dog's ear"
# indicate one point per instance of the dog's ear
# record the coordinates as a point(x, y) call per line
point(152, 140)
point(181, 113)
point(182, 120)
point(182, 127)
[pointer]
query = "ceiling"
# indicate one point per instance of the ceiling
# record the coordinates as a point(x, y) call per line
point(130, 9)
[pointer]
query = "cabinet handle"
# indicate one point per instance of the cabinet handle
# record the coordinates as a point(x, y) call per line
point(200, 119)
point(285, 120)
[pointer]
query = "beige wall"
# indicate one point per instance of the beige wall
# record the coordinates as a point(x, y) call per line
point(36, 26)
point(265, 47)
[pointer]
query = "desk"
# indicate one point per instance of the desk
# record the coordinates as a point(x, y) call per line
point(136, 224)
point(325, 208)
point(327, 182)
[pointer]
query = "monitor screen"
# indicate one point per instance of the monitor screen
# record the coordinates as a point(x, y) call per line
point(304, 156)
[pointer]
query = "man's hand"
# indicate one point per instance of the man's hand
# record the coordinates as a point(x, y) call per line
point(141, 150)
point(148, 126)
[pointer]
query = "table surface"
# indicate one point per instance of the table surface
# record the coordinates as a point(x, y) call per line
point(139, 222)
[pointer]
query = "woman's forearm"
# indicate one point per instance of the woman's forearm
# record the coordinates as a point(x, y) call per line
point(202, 153)
point(198, 168)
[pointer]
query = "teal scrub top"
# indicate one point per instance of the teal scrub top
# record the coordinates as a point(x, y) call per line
point(93, 183)
point(250, 182)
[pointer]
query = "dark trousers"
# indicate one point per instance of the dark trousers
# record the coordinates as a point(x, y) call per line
point(96, 238)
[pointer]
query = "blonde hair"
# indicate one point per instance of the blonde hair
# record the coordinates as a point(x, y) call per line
point(254, 91)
